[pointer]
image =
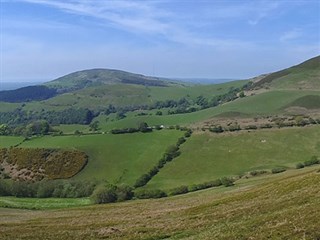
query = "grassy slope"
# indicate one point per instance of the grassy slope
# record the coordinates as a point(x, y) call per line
point(116, 158)
point(283, 206)
point(207, 156)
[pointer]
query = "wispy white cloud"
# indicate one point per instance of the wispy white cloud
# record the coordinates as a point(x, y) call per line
point(291, 35)
point(146, 17)
point(262, 11)
point(131, 16)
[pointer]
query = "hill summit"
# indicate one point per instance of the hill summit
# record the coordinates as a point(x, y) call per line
point(96, 77)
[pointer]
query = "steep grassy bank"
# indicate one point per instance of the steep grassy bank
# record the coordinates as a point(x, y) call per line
point(283, 206)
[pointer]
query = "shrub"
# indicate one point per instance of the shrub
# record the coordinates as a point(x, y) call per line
point(45, 189)
point(123, 193)
point(161, 162)
point(314, 160)
point(200, 186)
point(257, 172)
point(23, 189)
point(278, 170)
point(152, 193)
point(235, 127)
point(181, 141)
point(227, 182)
point(104, 194)
point(178, 190)
point(299, 165)
point(153, 171)
point(267, 125)
point(143, 180)
point(4, 188)
point(251, 127)
point(216, 129)
point(188, 133)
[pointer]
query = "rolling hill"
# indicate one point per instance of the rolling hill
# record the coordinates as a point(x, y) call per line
point(280, 206)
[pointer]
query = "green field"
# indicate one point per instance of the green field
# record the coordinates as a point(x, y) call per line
point(281, 206)
point(117, 158)
point(42, 203)
point(207, 156)
point(9, 141)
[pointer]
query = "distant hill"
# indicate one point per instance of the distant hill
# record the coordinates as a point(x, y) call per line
point(77, 81)
point(304, 76)
point(97, 77)
point(26, 94)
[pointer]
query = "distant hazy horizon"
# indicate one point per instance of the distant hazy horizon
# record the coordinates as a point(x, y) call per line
point(16, 85)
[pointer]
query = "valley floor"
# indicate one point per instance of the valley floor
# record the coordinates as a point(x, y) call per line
point(280, 206)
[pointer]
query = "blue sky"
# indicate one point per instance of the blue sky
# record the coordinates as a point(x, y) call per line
point(45, 39)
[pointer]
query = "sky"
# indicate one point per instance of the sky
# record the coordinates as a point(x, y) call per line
point(232, 39)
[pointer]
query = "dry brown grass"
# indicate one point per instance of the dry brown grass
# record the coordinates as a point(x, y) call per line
point(38, 163)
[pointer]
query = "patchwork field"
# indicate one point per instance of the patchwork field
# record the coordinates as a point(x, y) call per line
point(116, 158)
point(208, 156)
